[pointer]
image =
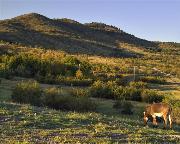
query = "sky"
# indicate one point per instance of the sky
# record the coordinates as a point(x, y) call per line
point(155, 20)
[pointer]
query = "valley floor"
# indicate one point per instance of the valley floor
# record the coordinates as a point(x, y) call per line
point(29, 124)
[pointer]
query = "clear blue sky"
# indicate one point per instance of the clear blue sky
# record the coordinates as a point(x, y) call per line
point(157, 20)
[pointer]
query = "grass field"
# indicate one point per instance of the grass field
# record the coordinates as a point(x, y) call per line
point(85, 63)
point(29, 124)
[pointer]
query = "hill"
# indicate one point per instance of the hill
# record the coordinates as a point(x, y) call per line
point(66, 82)
point(70, 36)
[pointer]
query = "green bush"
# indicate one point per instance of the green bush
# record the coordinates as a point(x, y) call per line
point(125, 107)
point(151, 79)
point(54, 98)
point(130, 93)
point(44, 66)
point(77, 82)
point(50, 95)
point(138, 84)
point(127, 93)
point(175, 104)
point(49, 79)
point(102, 90)
point(24, 65)
point(70, 60)
point(111, 90)
point(27, 92)
point(150, 96)
point(79, 92)
point(64, 80)
point(30, 92)
point(79, 74)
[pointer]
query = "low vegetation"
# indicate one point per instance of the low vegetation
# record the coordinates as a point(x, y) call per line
point(139, 84)
point(175, 104)
point(27, 124)
point(111, 90)
point(151, 79)
point(29, 92)
point(93, 91)
point(125, 107)
point(151, 96)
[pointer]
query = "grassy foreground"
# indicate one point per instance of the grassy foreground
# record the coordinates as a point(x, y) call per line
point(29, 124)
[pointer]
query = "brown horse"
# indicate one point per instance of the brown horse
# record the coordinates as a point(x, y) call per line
point(158, 110)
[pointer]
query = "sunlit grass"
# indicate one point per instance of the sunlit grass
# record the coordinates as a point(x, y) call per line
point(29, 124)
point(25, 123)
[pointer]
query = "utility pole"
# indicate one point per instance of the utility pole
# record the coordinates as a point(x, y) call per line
point(134, 73)
point(79, 66)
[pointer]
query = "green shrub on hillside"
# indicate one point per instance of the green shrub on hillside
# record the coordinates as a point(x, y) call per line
point(5, 72)
point(175, 104)
point(71, 60)
point(78, 92)
point(24, 65)
point(53, 98)
point(46, 67)
point(112, 91)
point(64, 80)
point(70, 81)
point(50, 95)
point(72, 103)
point(102, 90)
point(139, 84)
point(79, 74)
point(125, 107)
point(155, 79)
point(27, 92)
point(30, 92)
point(151, 96)
point(83, 66)
point(130, 93)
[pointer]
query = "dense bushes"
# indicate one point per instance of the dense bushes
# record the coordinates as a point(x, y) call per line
point(71, 81)
point(155, 79)
point(150, 96)
point(50, 96)
point(27, 92)
point(79, 92)
point(54, 98)
point(175, 104)
point(43, 64)
point(71, 103)
point(125, 107)
point(111, 90)
point(138, 84)
point(103, 90)
point(128, 93)
point(30, 92)
point(63, 80)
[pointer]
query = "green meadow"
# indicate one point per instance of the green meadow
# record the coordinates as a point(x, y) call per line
point(66, 82)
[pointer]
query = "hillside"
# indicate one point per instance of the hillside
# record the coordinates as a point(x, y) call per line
point(71, 36)
point(66, 82)
point(22, 123)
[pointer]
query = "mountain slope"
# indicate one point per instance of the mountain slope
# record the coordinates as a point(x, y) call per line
point(70, 36)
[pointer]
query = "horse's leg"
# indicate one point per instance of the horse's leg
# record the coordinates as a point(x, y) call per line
point(154, 120)
point(165, 121)
point(145, 120)
point(170, 121)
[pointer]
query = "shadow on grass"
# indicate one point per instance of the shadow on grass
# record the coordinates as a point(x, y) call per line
point(30, 117)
